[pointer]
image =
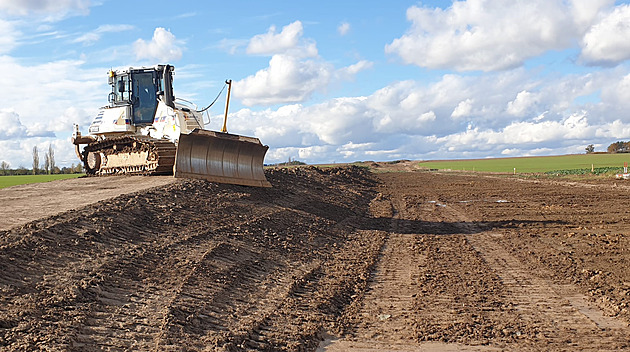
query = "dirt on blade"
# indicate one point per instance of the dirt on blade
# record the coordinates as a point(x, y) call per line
point(333, 259)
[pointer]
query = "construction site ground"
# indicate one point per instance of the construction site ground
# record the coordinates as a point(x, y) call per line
point(329, 259)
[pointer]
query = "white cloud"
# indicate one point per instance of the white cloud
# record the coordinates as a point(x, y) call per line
point(521, 105)
point(343, 28)
point(289, 79)
point(50, 9)
point(8, 37)
point(521, 134)
point(456, 116)
point(289, 40)
point(607, 42)
point(585, 13)
point(92, 37)
point(463, 109)
point(350, 71)
point(163, 47)
point(58, 94)
point(10, 125)
point(286, 80)
point(617, 92)
point(490, 35)
point(295, 70)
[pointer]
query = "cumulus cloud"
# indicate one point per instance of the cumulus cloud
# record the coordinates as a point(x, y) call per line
point(163, 47)
point(289, 40)
point(295, 71)
point(50, 9)
point(462, 109)
point(617, 92)
point(343, 28)
point(489, 35)
point(59, 93)
point(606, 43)
point(92, 37)
point(521, 134)
point(286, 80)
point(10, 125)
point(520, 106)
point(457, 116)
point(290, 79)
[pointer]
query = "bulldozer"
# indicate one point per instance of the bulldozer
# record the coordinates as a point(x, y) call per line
point(145, 130)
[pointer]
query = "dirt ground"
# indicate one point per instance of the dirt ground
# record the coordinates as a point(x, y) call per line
point(334, 259)
point(25, 203)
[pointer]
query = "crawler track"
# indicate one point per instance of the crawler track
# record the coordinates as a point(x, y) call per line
point(130, 155)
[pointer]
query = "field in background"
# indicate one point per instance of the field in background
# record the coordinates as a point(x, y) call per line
point(8, 181)
point(532, 164)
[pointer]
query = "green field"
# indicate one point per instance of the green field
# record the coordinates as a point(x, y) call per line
point(8, 181)
point(532, 164)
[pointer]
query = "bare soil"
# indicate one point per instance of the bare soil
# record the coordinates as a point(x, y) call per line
point(328, 259)
point(25, 203)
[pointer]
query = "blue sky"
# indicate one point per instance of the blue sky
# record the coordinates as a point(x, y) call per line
point(330, 81)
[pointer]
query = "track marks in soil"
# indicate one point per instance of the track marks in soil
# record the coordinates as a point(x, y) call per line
point(448, 278)
point(192, 265)
point(432, 263)
point(557, 316)
point(387, 306)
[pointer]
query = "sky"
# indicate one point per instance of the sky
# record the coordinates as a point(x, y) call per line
point(331, 81)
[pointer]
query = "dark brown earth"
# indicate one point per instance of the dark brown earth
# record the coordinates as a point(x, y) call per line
point(328, 259)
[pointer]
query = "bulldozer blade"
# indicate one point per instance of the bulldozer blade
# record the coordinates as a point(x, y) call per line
point(221, 157)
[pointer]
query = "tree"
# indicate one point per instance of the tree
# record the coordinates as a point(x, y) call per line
point(590, 149)
point(50, 156)
point(4, 166)
point(46, 164)
point(35, 160)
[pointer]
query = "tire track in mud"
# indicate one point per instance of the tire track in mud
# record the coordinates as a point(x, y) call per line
point(445, 282)
point(388, 303)
point(207, 265)
point(115, 282)
point(557, 316)
point(397, 309)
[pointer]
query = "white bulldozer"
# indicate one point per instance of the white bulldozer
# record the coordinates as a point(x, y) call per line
point(145, 130)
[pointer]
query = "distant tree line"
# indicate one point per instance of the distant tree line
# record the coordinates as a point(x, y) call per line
point(619, 147)
point(6, 170)
point(48, 167)
point(290, 163)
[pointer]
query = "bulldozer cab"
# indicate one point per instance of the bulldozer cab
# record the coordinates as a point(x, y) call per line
point(139, 88)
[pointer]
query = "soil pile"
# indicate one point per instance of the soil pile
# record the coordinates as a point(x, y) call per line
point(192, 265)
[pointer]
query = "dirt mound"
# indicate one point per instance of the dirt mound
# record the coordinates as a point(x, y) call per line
point(191, 264)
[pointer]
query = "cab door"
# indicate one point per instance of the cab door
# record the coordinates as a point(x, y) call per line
point(144, 102)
